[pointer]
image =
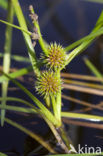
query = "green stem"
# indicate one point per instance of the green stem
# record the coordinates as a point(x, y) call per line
point(16, 74)
point(16, 27)
point(86, 43)
point(43, 109)
point(7, 54)
point(93, 68)
point(63, 114)
point(19, 109)
point(53, 105)
point(31, 134)
point(82, 116)
point(41, 41)
point(66, 138)
point(27, 38)
point(47, 101)
point(57, 136)
point(58, 103)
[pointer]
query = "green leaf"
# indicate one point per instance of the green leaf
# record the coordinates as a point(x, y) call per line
point(86, 38)
point(15, 26)
point(16, 74)
point(31, 134)
point(92, 68)
point(19, 109)
point(27, 38)
point(18, 58)
point(94, 118)
point(85, 43)
point(3, 4)
point(6, 58)
point(41, 41)
point(43, 110)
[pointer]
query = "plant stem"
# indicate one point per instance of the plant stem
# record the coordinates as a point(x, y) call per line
point(86, 43)
point(16, 74)
point(58, 103)
point(43, 109)
point(31, 134)
point(57, 136)
point(92, 68)
point(41, 42)
point(66, 138)
point(82, 116)
point(16, 27)
point(27, 38)
point(7, 54)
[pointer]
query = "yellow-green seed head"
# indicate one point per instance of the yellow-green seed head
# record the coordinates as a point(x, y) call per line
point(48, 84)
point(56, 57)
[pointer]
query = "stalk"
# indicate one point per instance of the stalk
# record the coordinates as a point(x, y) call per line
point(32, 135)
point(58, 104)
point(36, 25)
point(7, 55)
point(27, 38)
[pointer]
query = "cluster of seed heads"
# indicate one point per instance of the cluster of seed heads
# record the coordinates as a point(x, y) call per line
point(48, 83)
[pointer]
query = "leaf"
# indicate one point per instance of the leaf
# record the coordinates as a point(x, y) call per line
point(86, 43)
point(16, 74)
point(18, 58)
point(19, 109)
point(43, 109)
point(93, 69)
point(27, 38)
point(82, 116)
point(86, 38)
point(6, 58)
point(3, 4)
point(31, 134)
point(15, 26)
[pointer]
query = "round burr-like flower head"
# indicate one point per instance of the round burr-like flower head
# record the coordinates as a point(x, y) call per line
point(48, 84)
point(56, 57)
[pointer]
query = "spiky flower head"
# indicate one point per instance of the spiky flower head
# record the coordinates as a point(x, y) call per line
point(48, 84)
point(56, 57)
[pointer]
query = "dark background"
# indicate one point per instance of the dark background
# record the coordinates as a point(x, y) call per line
point(64, 22)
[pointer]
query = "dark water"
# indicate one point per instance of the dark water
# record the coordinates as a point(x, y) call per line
point(64, 22)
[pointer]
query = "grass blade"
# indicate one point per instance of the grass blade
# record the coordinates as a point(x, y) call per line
point(6, 59)
point(15, 26)
point(27, 38)
point(18, 58)
point(92, 68)
point(43, 110)
point(31, 134)
point(81, 77)
point(16, 74)
point(18, 109)
point(86, 38)
point(82, 116)
point(85, 84)
point(80, 102)
point(86, 43)
point(83, 89)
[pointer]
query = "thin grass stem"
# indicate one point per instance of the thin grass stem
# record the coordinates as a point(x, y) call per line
point(6, 58)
